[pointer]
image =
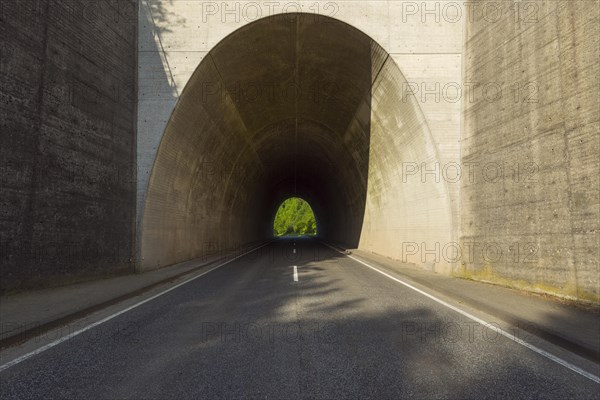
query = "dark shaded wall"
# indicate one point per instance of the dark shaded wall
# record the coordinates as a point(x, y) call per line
point(67, 143)
point(537, 209)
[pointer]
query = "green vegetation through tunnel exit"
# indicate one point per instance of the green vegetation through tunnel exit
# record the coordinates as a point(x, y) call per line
point(295, 217)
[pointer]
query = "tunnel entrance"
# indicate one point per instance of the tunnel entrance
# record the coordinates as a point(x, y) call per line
point(294, 217)
point(293, 105)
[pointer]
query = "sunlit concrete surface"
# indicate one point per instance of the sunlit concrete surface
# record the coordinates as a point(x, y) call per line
point(542, 136)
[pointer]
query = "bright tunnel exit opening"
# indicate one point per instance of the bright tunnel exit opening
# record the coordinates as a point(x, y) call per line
point(294, 217)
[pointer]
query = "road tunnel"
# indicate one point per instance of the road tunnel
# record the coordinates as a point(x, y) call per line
point(292, 105)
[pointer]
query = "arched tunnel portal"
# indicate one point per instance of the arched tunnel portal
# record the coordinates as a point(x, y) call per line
point(293, 105)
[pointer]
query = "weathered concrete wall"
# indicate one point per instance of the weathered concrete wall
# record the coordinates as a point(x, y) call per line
point(535, 204)
point(67, 79)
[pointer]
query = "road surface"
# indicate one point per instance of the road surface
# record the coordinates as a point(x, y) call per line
point(257, 327)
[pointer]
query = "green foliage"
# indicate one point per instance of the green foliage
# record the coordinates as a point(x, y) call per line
point(294, 217)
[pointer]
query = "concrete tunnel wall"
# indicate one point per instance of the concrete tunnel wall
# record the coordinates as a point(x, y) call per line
point(292, 105)
point(538, 209)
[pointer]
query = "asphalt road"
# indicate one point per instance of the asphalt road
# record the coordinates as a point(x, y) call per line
point(249, 330)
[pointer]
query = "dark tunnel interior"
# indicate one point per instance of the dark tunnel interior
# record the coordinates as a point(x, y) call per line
point(280, 108)
point(291, 105)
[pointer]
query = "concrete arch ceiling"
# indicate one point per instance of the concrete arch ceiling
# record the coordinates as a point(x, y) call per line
point(295, 104)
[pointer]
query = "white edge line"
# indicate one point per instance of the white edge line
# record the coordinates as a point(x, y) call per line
point(80, 331)
point(488, 325)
